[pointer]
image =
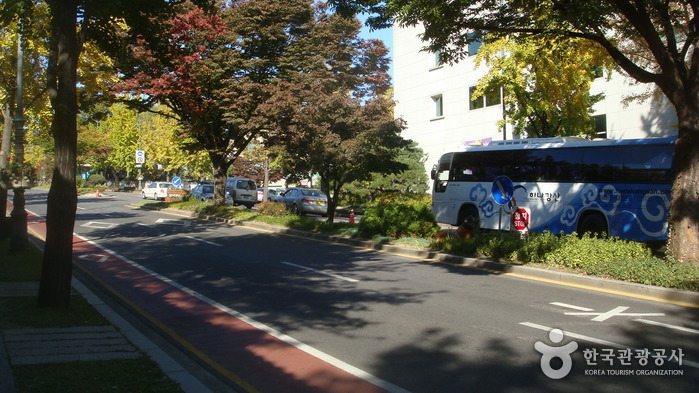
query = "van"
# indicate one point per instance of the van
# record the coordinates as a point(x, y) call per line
point(243, 191)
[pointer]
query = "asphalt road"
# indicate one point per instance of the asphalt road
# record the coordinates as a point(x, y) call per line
point(421, 327)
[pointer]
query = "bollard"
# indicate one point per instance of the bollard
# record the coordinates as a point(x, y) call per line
point(351, 218)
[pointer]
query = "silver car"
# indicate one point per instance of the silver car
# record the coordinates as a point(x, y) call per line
point(304, 201)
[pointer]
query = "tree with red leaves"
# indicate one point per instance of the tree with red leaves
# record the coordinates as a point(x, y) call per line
point(222, 73)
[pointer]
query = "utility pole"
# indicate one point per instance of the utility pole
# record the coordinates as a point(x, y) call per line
point(18, 236)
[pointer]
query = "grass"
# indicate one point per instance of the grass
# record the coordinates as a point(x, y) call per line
point(140, 375)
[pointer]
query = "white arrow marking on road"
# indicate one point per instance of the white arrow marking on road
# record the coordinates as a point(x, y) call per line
point(101, 257)
point(667, 325)
point(572, 306)
point(619, 311)
point(321, 272)
point(204, 241)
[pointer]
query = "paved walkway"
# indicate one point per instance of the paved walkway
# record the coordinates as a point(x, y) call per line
point(119, 340)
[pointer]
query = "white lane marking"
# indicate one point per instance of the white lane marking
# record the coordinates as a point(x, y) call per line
point(571, 306)
point(204, 241)
point(680, 328)
point(171, 221)
point(618, 311)
point(596, 340)
point(99, 225)
point(144, 225)
point(321, 272)
point(267, 329)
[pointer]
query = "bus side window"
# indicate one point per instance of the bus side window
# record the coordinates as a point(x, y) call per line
point(563, 165)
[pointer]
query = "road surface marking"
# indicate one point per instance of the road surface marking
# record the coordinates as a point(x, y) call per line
point(99, 258)
point(359, 373)
point(598, 341)
point(204, 241)
point(571, 306)
point(680, 328)
point(99, 225)
point(170, 221)
point(618, 311)
point(322, 272)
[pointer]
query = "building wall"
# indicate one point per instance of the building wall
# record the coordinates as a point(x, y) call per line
point(418, 80)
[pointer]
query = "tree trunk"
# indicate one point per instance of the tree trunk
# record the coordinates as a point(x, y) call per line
point(683, 223)
point(221, 165)
point(56, 272)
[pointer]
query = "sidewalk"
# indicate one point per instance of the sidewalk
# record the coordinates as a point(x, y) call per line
point(93, 343)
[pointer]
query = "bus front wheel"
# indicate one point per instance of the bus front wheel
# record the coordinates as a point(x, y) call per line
point(470, 220)
point(593, 223)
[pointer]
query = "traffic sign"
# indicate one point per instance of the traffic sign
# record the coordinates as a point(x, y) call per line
point(520, 219)
point(503, 190)
point(176, 181)
point(140, 157)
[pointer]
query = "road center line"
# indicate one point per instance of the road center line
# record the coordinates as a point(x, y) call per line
point(322, 272)
point(204, 241)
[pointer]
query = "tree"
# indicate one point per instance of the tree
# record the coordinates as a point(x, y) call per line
point(546, 83)
point(219, 73)
point(652, 41)
point(98, 22)
point(343, 128)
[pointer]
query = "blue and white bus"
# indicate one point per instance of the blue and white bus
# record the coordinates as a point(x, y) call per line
point(562, 185)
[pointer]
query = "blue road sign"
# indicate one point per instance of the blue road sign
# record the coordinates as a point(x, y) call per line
point(503, 190)
point(176, 181)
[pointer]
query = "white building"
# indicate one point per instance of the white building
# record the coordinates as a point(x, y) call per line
point(434, 100)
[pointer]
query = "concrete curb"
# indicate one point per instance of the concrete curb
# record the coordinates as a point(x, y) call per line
point(648, 292)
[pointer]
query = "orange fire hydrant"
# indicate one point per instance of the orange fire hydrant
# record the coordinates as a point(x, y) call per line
point(351, 218)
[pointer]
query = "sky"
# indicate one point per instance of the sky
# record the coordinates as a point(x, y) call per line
point(385, 35)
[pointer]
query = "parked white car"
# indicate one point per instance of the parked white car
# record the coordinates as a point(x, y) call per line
point(156, 190)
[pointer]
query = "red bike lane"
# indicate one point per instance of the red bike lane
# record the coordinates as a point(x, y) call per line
point(252, 356)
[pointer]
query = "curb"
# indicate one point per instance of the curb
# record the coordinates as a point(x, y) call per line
point(641, 291)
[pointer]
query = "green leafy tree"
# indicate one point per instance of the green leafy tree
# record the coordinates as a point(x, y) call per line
point(653, 41)
point(546, 83)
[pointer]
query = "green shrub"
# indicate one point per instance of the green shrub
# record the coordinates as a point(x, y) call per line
point(272, 209)
point(94, 180)
point(589, 251)
point(79, 182)
point(650, 271)
point(398, 220)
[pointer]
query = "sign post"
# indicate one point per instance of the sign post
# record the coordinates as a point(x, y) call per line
point(140, 160)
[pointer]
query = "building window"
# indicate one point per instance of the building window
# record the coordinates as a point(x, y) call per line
point(438, 106)
point(473, 46)
point(438, 59)
point(600, 126)
point(490, 98)
point(475, 102)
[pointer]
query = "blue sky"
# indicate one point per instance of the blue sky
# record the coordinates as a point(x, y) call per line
point(385, 35)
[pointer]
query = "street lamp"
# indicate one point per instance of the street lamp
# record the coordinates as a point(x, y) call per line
point(18, 236)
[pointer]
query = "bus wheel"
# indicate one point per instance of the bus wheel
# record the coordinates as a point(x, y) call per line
point(593, 223)
point(470, 223)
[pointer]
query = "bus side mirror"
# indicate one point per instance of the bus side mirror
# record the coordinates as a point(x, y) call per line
point(433, 173)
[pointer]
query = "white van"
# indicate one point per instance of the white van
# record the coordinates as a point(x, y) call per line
point(243, 191)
